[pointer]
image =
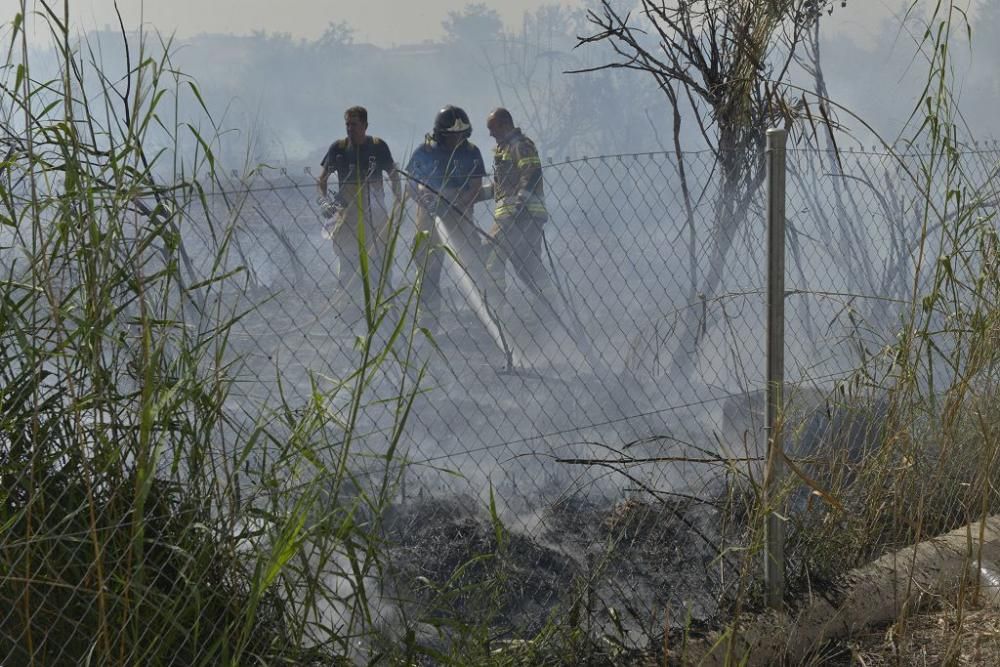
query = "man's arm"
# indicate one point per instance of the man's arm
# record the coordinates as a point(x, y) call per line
point(389, 166)
point(529, 167)
point(469, 195)
point(414, 168)
point(473, 189)
point(420, 169)
point(394, 185)
point(329, 207)
point(321, 183)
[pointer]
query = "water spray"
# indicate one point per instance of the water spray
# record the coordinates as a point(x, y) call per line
point(474, 297)
point(484, 311)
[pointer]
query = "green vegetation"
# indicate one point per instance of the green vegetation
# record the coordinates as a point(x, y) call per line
point(935, 464)
point(144, 518)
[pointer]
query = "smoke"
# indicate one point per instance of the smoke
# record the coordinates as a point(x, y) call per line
point(601, 423)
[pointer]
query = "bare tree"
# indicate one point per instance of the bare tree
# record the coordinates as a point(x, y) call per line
point(729, 61)
point(529, 75)
point(565, 114)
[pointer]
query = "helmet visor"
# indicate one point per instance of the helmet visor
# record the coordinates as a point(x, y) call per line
point(457, 126)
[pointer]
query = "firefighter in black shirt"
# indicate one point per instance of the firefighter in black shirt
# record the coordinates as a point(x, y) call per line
point(358, 204)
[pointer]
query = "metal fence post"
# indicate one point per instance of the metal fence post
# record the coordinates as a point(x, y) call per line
point(774, 532)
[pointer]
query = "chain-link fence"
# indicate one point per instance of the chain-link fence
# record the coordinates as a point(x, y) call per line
point(644, 387)
point(609, 446)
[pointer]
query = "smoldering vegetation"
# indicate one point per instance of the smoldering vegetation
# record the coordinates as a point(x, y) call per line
point(594, 424)
point(362, 488)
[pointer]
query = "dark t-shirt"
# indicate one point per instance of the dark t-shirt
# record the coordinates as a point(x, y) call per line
point(355, 165)
point(442, 169)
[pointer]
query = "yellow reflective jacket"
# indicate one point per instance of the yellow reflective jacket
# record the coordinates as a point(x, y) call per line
point(517, 178)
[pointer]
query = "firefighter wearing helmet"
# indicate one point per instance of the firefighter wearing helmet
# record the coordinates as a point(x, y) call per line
point(447, 174)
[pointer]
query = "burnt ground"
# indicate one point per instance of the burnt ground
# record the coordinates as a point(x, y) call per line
point(625, 571)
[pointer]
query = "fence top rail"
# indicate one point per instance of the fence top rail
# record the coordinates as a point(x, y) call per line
point(986, 146)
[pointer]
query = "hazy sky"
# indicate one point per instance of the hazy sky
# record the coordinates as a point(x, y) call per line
point(381, 22)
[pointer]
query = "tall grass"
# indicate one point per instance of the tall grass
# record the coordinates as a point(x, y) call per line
point(916, 450)
point(931, 457)
point(145, 516)
point(148, 516)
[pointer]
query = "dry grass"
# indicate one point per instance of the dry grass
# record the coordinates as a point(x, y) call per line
point(950, 636)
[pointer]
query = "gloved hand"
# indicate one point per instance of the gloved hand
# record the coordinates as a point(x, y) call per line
point(485, 192)
point(521, 201)
point(329, 209)
point(427, 200)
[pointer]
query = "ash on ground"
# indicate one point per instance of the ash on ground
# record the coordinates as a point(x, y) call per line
point(630, 570)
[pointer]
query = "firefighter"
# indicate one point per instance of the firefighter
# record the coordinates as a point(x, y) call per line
point(447, 174)
point(520, 216)
point(358, 160)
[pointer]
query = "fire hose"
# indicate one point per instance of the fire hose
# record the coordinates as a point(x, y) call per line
point(475, 294)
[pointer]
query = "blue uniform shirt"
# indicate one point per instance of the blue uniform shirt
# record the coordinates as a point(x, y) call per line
point(442, 169)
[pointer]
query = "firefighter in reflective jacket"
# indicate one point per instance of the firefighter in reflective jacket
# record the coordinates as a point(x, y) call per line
point(520, 213)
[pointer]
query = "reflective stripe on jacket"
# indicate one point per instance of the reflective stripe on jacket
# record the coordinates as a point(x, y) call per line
point(517, 178)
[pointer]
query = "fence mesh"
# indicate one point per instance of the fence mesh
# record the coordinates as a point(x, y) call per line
point(611, 448)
